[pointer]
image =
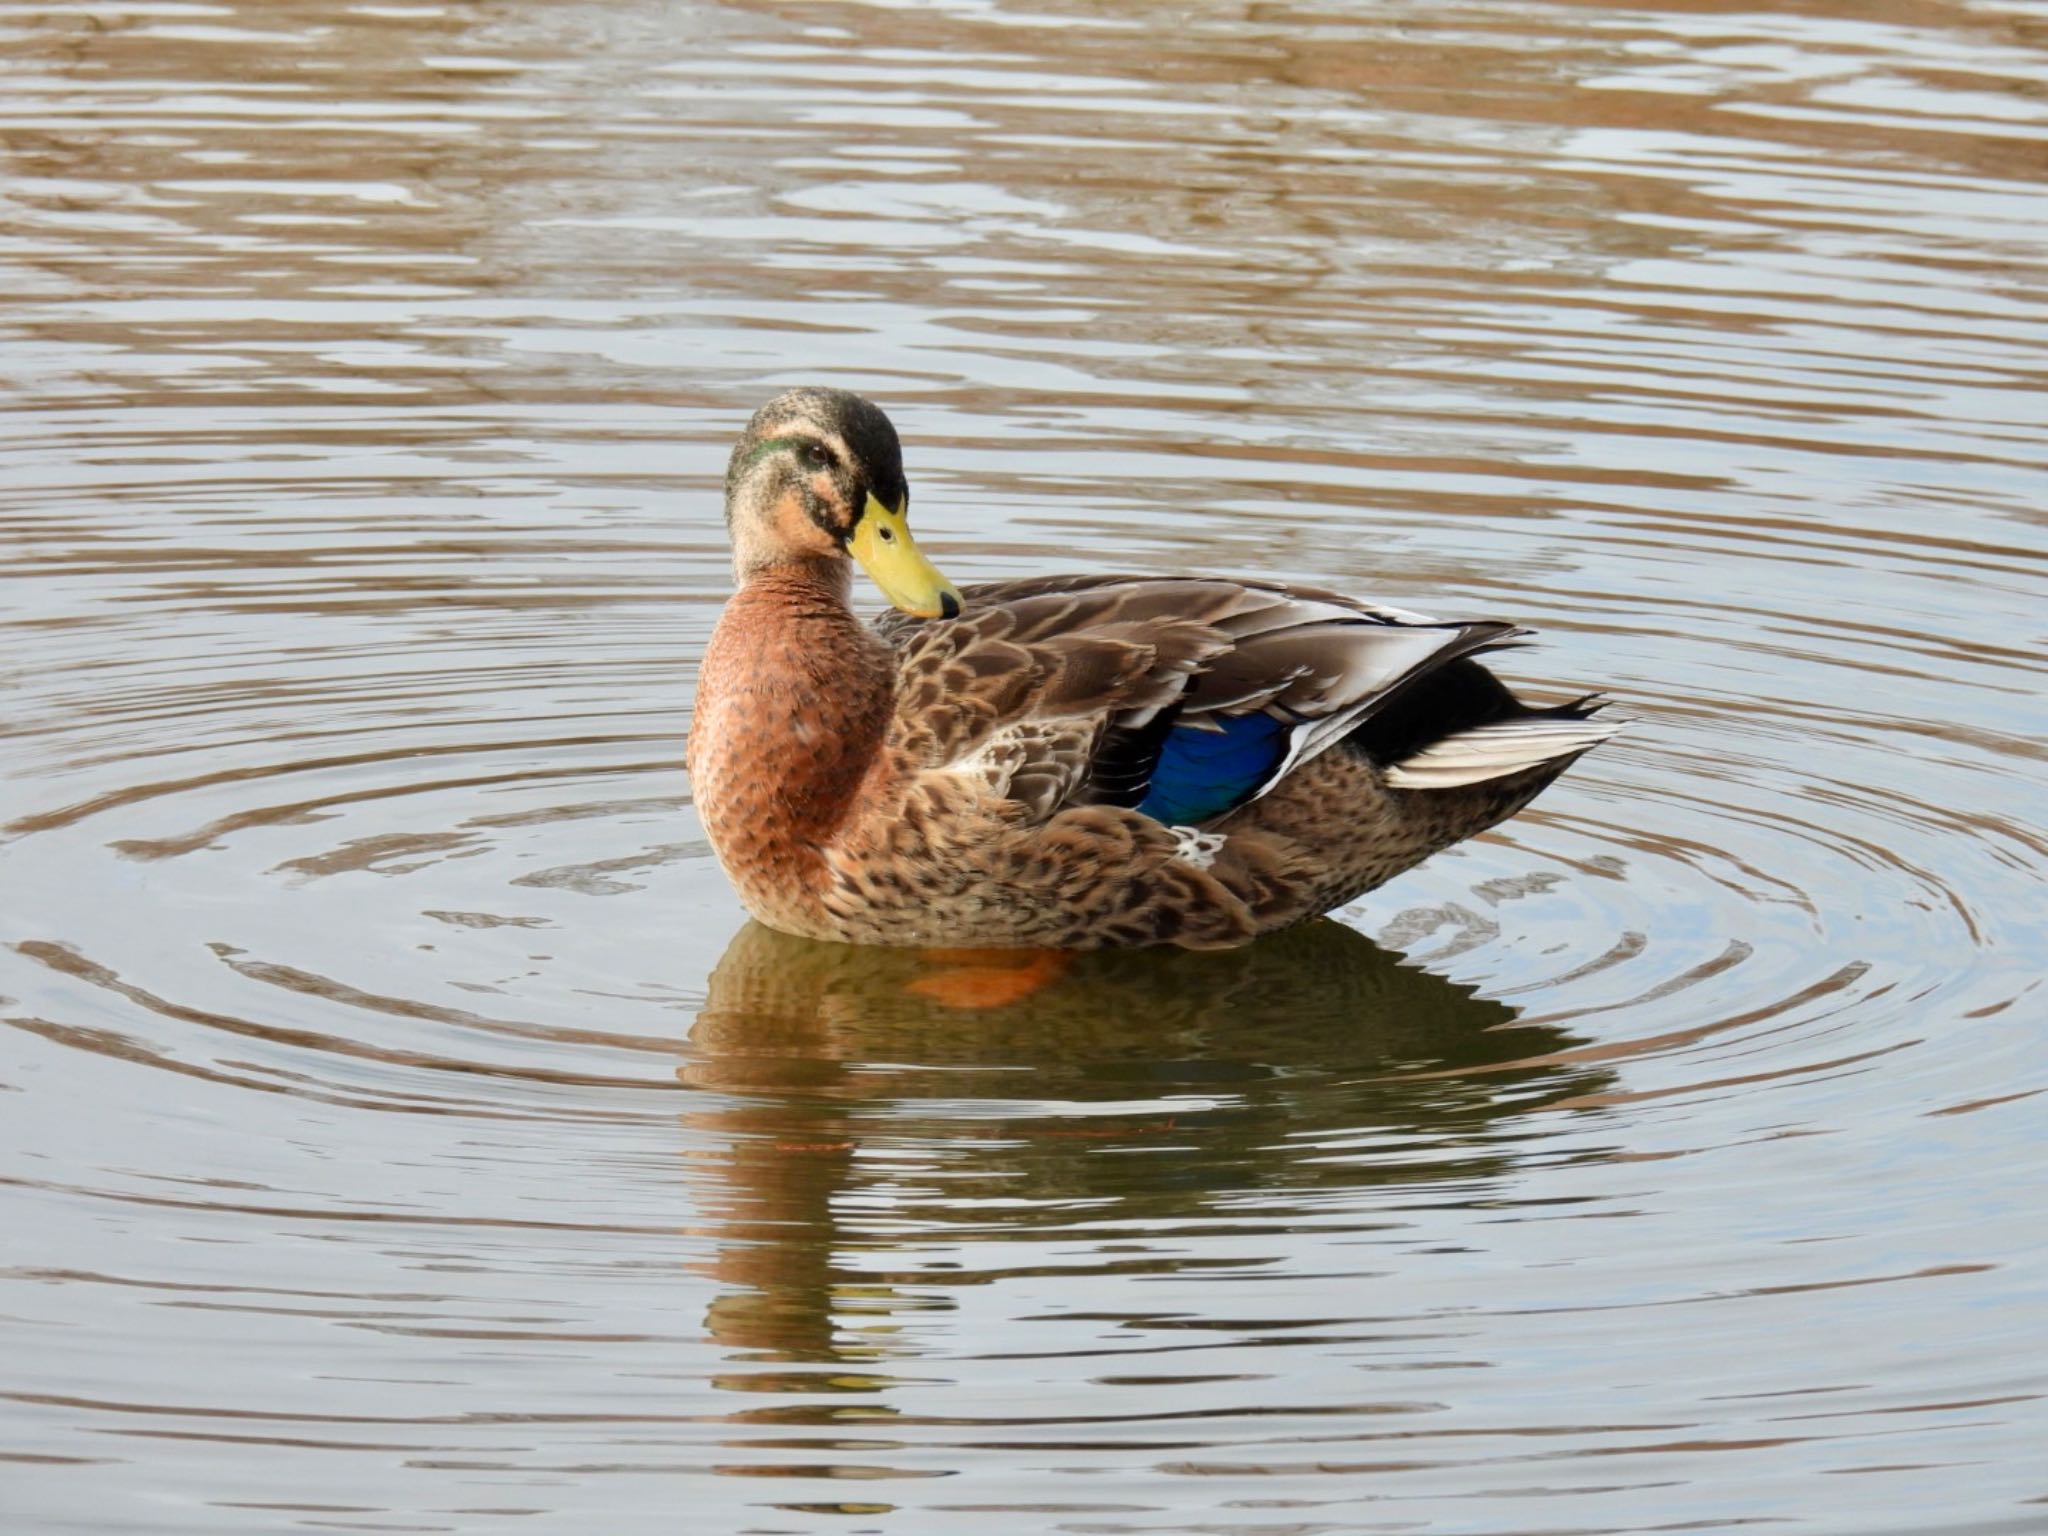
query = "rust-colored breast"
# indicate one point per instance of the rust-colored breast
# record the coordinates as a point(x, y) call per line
point(791, 704)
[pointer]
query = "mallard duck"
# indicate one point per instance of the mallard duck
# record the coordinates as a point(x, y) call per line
point(1069, 762)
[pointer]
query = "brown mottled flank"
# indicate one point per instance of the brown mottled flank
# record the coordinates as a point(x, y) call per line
point(1383, 833)
point(968, 781)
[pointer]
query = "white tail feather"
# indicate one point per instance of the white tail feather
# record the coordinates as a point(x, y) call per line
point(1495, 751)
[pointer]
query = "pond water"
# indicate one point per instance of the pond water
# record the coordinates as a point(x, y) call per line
point(400, 1129)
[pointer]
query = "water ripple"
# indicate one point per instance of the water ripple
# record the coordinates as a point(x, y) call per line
point(381, 1035)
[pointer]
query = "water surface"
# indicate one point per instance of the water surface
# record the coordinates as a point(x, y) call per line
point(401, 1129)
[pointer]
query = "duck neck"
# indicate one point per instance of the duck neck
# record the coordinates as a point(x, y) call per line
point(792, 704)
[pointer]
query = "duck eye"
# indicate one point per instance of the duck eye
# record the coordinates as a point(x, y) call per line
point(815, 455)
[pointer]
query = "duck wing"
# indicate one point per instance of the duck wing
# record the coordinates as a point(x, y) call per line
point(1185, 698)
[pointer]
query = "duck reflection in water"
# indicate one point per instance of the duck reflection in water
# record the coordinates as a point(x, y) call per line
point(869, 1108)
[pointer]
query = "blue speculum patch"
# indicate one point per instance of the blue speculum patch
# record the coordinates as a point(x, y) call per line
point(1204, 773)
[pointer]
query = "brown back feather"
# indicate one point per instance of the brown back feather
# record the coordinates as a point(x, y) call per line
point(1119, 651)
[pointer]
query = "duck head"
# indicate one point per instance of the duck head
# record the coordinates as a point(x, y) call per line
point(818, 477)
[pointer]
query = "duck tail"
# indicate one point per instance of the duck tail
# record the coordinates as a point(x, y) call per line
point(1500, 748)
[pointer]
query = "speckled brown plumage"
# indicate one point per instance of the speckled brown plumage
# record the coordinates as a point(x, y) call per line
point(977, 779)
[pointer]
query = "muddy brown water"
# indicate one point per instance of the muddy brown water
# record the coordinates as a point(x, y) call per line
point(400, 1130)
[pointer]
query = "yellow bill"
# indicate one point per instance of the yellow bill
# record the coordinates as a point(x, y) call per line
point(883, 546)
